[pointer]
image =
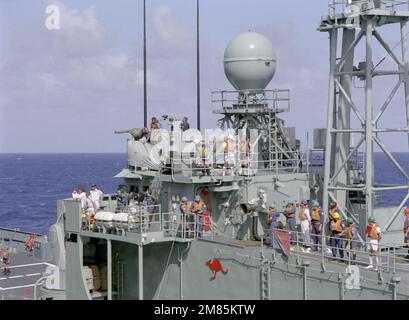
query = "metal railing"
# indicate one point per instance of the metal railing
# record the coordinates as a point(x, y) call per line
point(171, 224)
point(341, 6)
point(392, 257)
point(237, 164)
point(270, 100)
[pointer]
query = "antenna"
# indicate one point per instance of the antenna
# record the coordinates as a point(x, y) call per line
point(145, 89)
point(198, 62)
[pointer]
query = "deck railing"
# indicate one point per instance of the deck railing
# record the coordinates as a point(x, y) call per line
point(342, 6)
point(146, 219)
point(392, 257)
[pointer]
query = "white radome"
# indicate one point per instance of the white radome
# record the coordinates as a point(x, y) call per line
point(250, 61)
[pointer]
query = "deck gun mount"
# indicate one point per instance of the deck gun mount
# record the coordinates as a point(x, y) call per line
point(136, 133)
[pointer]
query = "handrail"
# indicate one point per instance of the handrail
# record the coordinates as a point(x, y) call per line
point(388, 253)
point(339, 6)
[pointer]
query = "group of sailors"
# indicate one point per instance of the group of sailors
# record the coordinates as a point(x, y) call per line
point(234, 156)
point(135, 198)
point(341, 235)
point(195, 216)
point(155, 125)
point(90, 202)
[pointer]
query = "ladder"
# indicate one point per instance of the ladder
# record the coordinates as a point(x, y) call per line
point(265, 280)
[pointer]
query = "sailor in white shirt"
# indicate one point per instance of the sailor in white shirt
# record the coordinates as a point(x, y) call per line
point(305, 219)
point(96, 196)
point(83, 198)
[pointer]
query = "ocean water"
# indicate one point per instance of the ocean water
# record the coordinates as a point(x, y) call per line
point(31, 184)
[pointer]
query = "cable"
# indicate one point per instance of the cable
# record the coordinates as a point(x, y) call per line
point(384, 58)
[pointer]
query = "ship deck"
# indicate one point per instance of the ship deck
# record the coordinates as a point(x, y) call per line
point(25, 271)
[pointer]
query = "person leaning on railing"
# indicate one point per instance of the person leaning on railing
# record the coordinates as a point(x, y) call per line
point(185, 212)
point(197, 208)
point(289, 213)
point(336, 233)
point(317, 219)
point(351, 238)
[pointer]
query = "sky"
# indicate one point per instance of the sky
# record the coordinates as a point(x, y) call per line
point(67, 90)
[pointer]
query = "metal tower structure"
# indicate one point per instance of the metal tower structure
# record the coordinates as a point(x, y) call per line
point(244, 110)
point(359, 22)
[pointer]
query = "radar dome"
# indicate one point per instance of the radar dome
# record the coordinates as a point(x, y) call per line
point(250, 61)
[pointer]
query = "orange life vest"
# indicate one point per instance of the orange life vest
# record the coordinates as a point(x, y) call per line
point(336, 226)
point(5, 253)
point(185, 207)
point(197, 206)
point(315, 215)
point(348, 232)
point(373, 234)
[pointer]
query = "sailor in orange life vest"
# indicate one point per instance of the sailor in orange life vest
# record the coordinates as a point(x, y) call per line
point(289, 213)
point(336, 233)
point(305, 219)
point(351, 236)
point(185, 212)
point(406, 230)
point(197, 208)
point(317, 219)
point(373, 233)
point(332, 211)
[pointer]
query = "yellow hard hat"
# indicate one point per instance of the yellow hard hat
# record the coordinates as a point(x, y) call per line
point(335, 215)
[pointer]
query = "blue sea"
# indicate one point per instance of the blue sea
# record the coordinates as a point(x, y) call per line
point(31, 184)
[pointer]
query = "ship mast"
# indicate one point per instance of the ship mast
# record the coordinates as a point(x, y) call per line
point(350, 183)
point(198, 62)
point(145, 84)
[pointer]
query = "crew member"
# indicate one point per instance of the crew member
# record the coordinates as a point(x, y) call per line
point(289, 213)
point(332, 211)
point(197, 208)
point(373, 233)
point(155, 124)
point(276, 220)
point(96, 196)
point(351, 237)
point(184, 125)
point(185, 213)
point(305, 219)
point(245, 150)
point(6, 260)
point(336, 233)
point(204, 159)
point(317, 219)
point(406, 230)
point(229, 157)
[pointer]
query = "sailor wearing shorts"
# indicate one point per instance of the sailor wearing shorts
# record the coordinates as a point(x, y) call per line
point(373, 233)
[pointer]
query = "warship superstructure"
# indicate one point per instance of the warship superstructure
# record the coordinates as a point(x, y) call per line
point(154, 252)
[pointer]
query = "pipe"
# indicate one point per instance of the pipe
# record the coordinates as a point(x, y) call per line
point(198, 62)
point(254, 229)
point(145, 89)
